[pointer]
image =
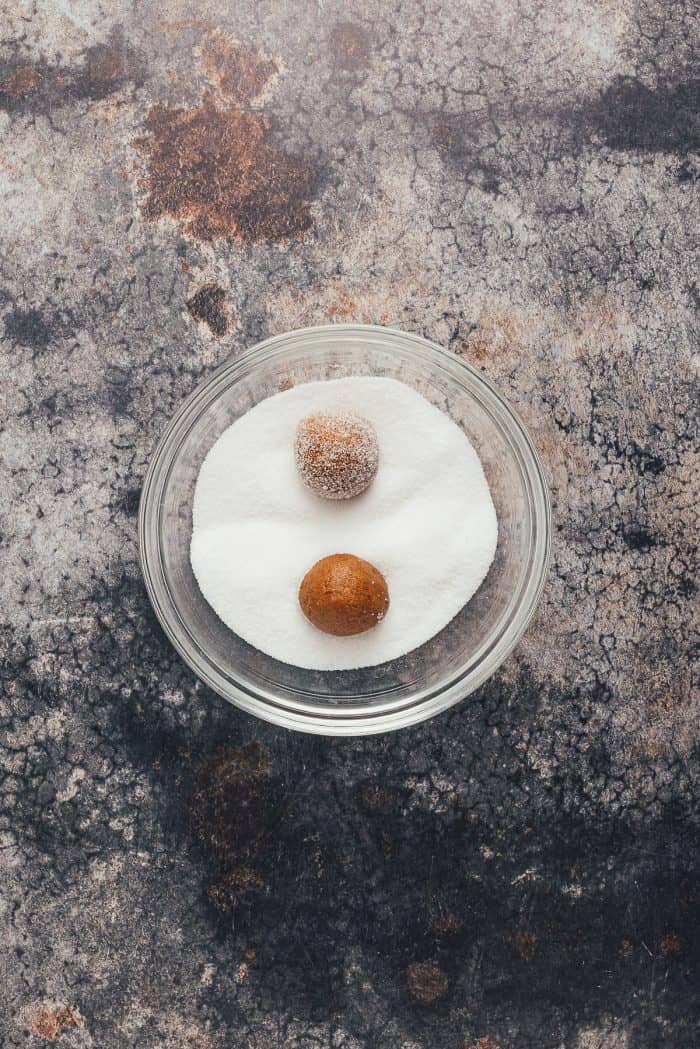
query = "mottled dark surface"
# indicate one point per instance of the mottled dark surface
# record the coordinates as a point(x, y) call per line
point(518, 182)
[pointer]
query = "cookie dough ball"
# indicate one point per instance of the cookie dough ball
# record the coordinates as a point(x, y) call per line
point(336, 455)
point(343, 595)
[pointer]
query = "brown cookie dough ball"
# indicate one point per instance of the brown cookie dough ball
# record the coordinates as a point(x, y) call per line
point(343, 595)
point(336, 455)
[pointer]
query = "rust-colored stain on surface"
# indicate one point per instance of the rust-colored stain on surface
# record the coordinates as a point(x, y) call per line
point(237, 72)
point(214, 169)
point(426, 982)
point(228, 893)
point(446, 924)
point(526, 942)
point(49, 1023)
point(228, 812)
point(350, 44)
point(208, 304)
point(243, 970)
point(671, 943)
point(103, 69)
point(377, 799)
point(20, 83)
point(343, 307)
point(482, 1043)
point(497, 332)
point(229, 800)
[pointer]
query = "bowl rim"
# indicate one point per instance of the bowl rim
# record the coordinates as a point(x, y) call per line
point(505, 634)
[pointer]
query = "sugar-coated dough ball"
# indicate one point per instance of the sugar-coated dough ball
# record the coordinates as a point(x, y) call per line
point(343, 595)
point(336, 455)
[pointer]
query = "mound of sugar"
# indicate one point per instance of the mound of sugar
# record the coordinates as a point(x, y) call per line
point(427, 522)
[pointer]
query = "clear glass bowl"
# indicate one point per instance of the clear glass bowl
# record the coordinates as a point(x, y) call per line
point(429, 679)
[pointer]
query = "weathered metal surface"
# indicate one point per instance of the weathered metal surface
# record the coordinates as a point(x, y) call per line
point(519, 183)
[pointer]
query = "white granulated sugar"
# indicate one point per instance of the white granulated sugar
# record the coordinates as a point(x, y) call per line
point(427, 522)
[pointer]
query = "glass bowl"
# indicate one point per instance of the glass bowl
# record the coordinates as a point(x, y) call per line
point(429, 679)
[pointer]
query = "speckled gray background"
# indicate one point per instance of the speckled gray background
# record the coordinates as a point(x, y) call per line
point(517, 181)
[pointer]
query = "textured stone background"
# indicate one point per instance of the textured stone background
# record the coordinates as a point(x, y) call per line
point(517, 181)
